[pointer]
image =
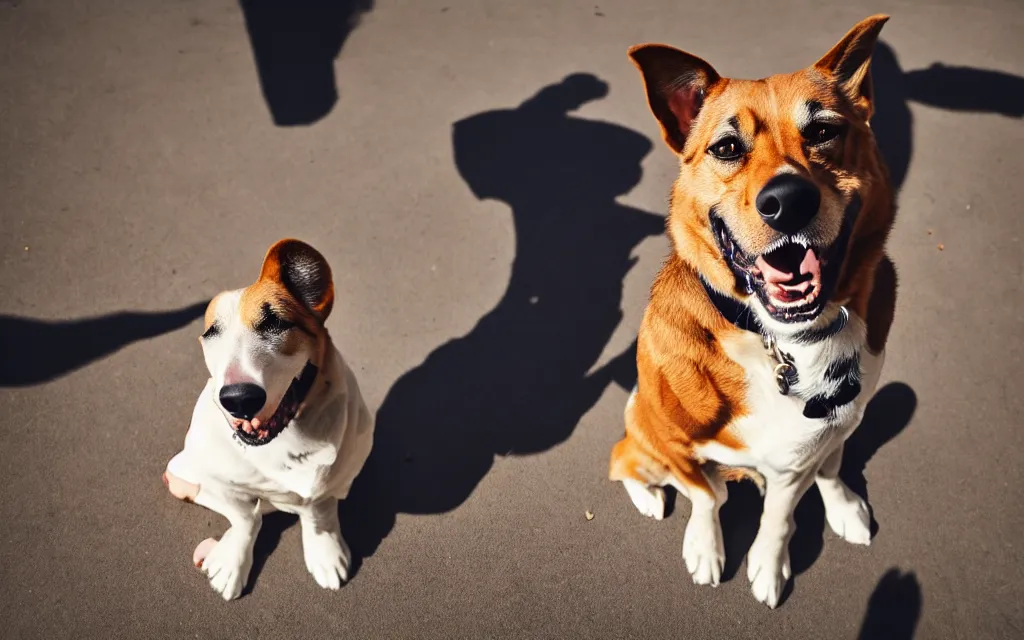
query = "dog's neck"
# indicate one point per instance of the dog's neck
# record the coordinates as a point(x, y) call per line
point(329, 379)
point(743, 317)
point(819, 364)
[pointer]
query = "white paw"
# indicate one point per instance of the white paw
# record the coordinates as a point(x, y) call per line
point(768, 571)
point(704, 551)
point(650, 501)
point(227, 565)
point(849, 518)
point(327, 558)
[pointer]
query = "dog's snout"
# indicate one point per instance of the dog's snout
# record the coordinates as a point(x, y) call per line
point(243, 400)
point(788, 203)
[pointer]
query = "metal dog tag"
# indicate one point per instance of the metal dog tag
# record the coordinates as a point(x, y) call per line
point(784, 373)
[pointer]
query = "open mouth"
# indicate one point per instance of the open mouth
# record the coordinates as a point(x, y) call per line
point(257, 432)
point(794, 278)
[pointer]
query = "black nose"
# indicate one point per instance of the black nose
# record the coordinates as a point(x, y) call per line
point(788, 202)
point(243, 400)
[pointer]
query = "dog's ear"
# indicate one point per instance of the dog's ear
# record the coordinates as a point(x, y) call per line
point(676, 83)
point(848, 63)
point(303, 272)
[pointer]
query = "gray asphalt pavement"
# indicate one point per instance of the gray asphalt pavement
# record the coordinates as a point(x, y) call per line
point(488, 185)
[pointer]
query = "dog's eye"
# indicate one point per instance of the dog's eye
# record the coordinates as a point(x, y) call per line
point(822, 132)
point(212, 331)
point(727, 149)
point(273, 324)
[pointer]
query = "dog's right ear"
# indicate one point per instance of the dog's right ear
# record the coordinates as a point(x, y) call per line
point(303, 272)
point(676, 84)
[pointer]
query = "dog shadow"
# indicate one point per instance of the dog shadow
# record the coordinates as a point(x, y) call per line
point(294, 48)
point(886, 416)
point(37, 351)
point(521, 379)
point(939, 85)
point(893, 609)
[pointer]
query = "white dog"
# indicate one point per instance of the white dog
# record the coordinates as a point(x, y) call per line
point(280, 424)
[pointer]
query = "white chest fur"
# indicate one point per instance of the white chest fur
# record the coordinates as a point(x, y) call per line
point(290, 464)
point(792, 432)
point(317, 458)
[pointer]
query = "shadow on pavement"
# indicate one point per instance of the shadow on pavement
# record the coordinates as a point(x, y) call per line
point(36, 351)
point(940, 86)
point(521, 379)
point(294, 46)
point(894, 608)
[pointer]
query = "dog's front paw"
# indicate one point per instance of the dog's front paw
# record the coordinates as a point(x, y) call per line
point(849, 518)
point(768, 571)
point(226, 564)
point(704, 551)
point(327, 558)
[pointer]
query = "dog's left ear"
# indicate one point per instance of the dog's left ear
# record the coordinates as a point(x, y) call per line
point(849, 63)
point(303, 272)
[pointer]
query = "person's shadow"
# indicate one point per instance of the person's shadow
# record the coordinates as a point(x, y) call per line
point(36, 351)
point(294, 45)
point(894, 608)
point(521, 379)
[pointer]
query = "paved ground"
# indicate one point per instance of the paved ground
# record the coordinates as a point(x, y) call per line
point(142, 170)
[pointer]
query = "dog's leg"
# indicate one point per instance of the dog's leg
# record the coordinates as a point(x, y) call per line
point(703, 547)
point(327, 555)
point(226, 562)
point(846, 512)
point(641, 477)
point(768, 566)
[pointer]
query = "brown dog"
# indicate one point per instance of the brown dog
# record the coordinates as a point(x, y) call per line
point(766, 328)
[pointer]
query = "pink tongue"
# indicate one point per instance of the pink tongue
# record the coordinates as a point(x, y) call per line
point(774, 275)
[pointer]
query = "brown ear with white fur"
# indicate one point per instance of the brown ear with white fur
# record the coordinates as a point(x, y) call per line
point(303, 272)
point(848, 63)
point(676, 83)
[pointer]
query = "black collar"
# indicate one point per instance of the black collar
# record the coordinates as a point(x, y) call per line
point(732, 309)
point(847, 371)
point(809, 336)
point(744, 317)
point(290, 404)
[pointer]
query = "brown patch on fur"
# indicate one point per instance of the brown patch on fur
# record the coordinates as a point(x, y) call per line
point(257, 297)
point(278, 291)
point(303, 273)
point(689, 391)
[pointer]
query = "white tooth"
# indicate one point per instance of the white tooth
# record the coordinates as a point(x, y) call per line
point(778, 244)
